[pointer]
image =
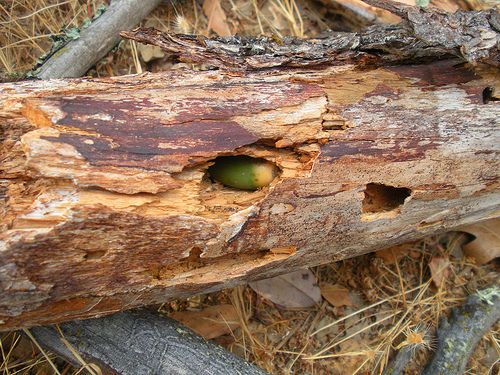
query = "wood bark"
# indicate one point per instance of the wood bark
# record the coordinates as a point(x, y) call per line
point(423, 33)
point(140, 343)
point(106, 204)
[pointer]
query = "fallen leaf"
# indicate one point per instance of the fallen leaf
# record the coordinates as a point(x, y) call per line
point(336, 294)
point(211, 322)
point(293, 290)
point(439, 269)
point(216, 18)
point(486, 245)
point(392, 253)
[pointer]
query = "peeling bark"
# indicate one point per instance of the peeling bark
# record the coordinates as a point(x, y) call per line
point(107, 205)
point(430, 33)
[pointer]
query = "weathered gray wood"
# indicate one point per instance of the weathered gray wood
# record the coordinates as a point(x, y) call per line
point(459, 335)
point(79, 55)
point(471, 35)
point(141, 343)
point(457, 338)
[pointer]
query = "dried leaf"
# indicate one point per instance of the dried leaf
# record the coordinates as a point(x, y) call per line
point(293, 290)
point(439, 269)
point(486, 245)
point(336, 294)
point(211, 322)
point(393, 253)
point(216, 17)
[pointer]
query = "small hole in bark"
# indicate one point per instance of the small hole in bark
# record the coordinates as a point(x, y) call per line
point(488, 95)
point(94, 255)
point(381, 198)
point(243, 172)
point(425, 224)
point(194, 254)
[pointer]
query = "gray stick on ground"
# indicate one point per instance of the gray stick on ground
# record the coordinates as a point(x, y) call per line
point(458, 336)
point(79, 55)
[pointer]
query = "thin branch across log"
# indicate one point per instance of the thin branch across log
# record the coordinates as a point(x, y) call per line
point(424, 33)
point(107, 205)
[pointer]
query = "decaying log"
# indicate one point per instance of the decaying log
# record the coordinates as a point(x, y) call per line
point(106, 203)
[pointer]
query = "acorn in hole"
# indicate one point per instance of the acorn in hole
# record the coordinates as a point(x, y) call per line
point(243, 172)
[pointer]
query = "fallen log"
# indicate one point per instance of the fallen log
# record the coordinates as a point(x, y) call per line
point(110, 189)
point(107, 203)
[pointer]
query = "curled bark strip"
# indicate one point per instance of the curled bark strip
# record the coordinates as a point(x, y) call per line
point(473, 36)
point(389, 43)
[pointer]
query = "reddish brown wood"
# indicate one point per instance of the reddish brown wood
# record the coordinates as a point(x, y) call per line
point(106, 205)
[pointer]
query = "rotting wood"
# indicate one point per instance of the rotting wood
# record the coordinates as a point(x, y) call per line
point(106, 204)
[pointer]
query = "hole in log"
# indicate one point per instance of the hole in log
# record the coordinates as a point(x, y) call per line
point(243, 172)
point(222, 198)
point(194, 254)
point(489, 95)
point(382, 198)
point(191, 262)
point(94, 255)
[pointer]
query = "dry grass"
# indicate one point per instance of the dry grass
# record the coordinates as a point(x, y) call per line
point(394, 301)
point(396, 304)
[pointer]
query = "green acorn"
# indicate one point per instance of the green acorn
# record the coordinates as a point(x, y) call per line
point(243, 172)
